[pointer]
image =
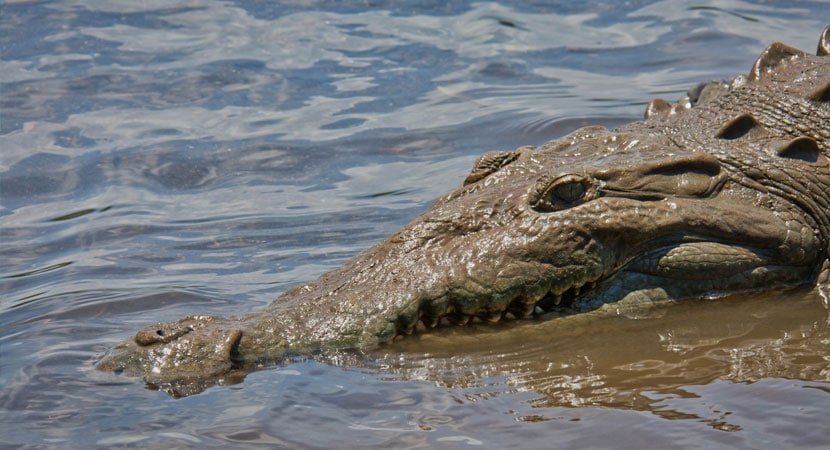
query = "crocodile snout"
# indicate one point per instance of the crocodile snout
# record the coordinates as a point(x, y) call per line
point(191, 354)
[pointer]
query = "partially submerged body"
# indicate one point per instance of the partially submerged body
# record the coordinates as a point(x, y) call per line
point(726, 191)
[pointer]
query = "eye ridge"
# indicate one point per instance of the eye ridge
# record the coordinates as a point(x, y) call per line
point(490, 163)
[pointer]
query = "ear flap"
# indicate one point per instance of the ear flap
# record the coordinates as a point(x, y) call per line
point(738, 127)
point(821, 94)
point(803, 148)
point(824, 43)
point(771, 57)
point(656, 107)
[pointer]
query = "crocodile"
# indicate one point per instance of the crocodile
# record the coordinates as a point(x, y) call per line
point(725, 191)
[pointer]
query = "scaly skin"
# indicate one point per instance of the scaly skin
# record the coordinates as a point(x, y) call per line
point(723, 192)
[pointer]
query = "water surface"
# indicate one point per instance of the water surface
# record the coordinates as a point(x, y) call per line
point(164, 158)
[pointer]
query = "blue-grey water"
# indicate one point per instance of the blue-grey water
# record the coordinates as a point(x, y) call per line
point(165, 158)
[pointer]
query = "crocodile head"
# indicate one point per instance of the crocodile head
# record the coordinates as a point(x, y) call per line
point(726, 191)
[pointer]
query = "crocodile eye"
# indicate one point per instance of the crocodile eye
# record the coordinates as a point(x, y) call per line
point(562, 192)
point(570, 191)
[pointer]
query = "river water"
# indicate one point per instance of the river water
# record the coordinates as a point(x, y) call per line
point(165, 158)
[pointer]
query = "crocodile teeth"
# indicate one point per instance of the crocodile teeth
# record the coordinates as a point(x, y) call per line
point(535, 299)
point(492, 317)
point(525, 310)
point(523, 306)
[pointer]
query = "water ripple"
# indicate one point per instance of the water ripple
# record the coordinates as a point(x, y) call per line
point(164, 158)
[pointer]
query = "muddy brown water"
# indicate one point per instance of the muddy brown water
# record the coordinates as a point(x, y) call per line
point(159, 159)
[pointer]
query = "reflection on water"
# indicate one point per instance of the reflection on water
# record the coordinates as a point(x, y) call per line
point(633, 363)
point(164, 158)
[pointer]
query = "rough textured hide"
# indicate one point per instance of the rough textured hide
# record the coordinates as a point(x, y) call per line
point(727, 190)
